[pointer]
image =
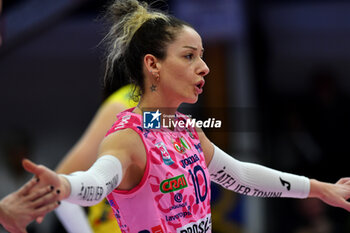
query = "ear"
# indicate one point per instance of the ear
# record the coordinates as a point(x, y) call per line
point(151, 63)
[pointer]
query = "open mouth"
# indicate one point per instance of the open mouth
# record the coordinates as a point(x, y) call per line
point(200, 84)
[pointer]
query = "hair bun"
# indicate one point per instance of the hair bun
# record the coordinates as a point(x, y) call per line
point(120, 8)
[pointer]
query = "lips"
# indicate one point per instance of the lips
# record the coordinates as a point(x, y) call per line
point(199, 86)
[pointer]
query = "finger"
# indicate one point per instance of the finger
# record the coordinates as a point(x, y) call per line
point(343, 180)
point(346, 205)
point(46, 199)
point(40, 219)
point(22, 230)
point(31, 167)
point(16, 229)
point(27, 187)
point(42, 211)
point(37, 194)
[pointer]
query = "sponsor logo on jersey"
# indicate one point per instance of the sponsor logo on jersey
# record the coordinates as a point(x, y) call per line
point(190, 160)
point(198, 147)
point(157, 229)
point(165, 154)
point(182, 205)
point(177, 216)
point(178, 197)
point(185, 143)
point(178, 147)
point(173, 184)
point(123, 122)
point(201, 226)
point(112, 203)
point(144, 131)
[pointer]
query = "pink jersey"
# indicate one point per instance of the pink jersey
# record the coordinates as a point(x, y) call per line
point(174, 193)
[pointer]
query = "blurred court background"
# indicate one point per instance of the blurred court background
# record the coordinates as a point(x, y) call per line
point(279, 81)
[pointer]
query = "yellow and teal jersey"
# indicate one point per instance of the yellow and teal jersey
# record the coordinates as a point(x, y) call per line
point(122, 95)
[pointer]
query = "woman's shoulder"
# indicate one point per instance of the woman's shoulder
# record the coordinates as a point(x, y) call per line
point(125, 119)
point(126, 140)
point(126, 135)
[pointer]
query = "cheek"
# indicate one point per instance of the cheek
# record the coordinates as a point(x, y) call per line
point(182, 83)
point(178, 76)
point(176, 67)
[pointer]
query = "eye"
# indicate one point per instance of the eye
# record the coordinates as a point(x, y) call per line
point(189, 56)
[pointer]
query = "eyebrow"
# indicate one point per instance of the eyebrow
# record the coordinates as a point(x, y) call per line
point(191, 47)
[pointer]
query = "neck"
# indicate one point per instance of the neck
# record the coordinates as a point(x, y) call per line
point(153, 101)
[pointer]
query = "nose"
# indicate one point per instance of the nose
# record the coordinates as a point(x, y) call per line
point(203, 69)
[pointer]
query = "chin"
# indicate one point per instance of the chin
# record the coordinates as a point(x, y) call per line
point(191, 100)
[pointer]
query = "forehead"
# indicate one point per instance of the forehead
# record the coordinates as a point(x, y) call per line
point(187, 37)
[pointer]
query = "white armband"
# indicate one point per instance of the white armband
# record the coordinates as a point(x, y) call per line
point(73, 218)
point(255, 180)
point(90, 187)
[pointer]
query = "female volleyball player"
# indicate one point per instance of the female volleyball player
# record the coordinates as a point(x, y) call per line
point(157, 180)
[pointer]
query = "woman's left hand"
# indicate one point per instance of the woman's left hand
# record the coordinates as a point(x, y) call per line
point(48, 177)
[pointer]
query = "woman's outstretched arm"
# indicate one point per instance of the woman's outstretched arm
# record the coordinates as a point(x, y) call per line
point(256, 180)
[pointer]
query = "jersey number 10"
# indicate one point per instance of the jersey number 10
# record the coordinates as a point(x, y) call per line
point(199, 195)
